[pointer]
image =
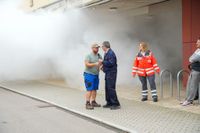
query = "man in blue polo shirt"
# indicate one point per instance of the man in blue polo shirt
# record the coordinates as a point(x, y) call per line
point(91, 76)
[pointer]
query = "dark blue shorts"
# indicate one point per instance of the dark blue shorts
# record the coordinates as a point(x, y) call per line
point(91, 81)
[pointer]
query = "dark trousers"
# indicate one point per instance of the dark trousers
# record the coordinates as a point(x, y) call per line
point(110, 89)
point(152, 83)
point(197, 95)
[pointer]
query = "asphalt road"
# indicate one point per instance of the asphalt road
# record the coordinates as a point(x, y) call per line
point(20, 114)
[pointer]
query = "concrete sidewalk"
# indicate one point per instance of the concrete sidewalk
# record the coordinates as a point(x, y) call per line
point(134, 116)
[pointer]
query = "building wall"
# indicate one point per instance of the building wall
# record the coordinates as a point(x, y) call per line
point(191, 28)
point(168, 33)
point(162, 28)
point(35, 4)
point(31, 5)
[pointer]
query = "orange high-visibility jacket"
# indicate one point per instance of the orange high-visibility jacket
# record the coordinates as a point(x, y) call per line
point(145, 65)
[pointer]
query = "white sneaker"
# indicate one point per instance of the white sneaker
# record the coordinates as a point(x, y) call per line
point(186, 103)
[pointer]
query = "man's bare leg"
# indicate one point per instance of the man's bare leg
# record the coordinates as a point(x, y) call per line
point(88, 98)
point(93, 99)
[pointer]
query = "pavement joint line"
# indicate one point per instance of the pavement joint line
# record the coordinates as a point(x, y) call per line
point(109, 124)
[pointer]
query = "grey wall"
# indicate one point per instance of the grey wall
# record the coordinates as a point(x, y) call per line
point(162, 28)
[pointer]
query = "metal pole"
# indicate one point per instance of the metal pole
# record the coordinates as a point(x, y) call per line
point(178, 85)
point(161, 85)
point(161, 82)
point(199, 92)
point(171, 84)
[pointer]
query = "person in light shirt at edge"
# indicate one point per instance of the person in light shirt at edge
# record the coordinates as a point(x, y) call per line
point(194, 78)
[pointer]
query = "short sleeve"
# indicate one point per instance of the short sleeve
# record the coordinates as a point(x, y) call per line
point(87, 58)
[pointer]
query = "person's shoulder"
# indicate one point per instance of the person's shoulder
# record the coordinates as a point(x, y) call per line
point(139, 54)
point(150, 52)
point(90, 54)
point(87, 57)
point(111, 51)
point(198, 51)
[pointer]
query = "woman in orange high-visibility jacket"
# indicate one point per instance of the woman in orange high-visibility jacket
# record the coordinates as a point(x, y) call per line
point(145, 66)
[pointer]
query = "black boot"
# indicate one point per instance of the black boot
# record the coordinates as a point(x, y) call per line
point(144, 99)
point(155, 99)
point(197, 96)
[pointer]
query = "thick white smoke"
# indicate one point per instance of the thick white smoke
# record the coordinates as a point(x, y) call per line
point(47, 45)
point(32, 45)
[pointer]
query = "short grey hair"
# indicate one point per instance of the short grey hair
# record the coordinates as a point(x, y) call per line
point(106, 44)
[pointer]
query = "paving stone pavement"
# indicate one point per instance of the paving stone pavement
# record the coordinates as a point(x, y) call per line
point(134, 116)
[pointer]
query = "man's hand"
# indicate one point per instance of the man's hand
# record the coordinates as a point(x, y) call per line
point(134, 75)
point(88, 64)
point(96, 64)
point(100, 61)
point(101, 67)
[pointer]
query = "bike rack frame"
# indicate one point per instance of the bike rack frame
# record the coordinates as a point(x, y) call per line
point(199, 92)
point(170, 82)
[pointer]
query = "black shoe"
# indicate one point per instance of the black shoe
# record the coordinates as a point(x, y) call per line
point(106, 106)
point(196, 97)
point(144, 99)
point(155, 99)
point(114, 107)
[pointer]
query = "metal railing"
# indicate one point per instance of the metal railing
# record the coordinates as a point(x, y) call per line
point(170, 82)
point(178, 82)
point(199, 92)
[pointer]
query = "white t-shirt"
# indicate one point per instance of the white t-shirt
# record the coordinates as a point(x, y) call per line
point(143, 53)
point(196, 56)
